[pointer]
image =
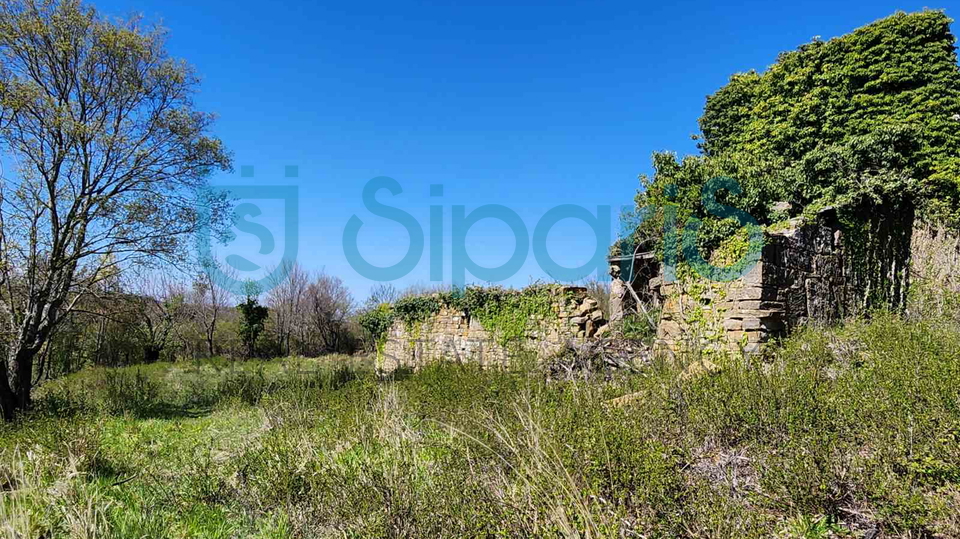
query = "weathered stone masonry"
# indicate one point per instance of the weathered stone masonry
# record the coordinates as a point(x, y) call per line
point(798, 278)
point(453, 335)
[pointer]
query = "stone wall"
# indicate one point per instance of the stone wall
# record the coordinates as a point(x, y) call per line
point(799, 278)
point(453, 335)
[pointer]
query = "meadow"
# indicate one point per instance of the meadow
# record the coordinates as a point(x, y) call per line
point(847, 432)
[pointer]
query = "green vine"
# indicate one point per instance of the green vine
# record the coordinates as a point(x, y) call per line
point(377, 323)
point(416, 309)
point(509, 314)
point(702, 313)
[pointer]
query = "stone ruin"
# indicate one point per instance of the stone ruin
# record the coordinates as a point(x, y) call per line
point(454, 335)
point(799, 277)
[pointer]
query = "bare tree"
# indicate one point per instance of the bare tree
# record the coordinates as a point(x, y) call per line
point(381, 293)
point(161, 309)
point(211, 298)
point(329, 306)
point(287, 301)
point(109, 152)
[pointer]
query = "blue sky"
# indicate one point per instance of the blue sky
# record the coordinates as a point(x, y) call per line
point(528, 105)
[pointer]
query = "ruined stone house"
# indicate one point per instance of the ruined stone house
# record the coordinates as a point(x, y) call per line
point(804, 274)
point(799, 277)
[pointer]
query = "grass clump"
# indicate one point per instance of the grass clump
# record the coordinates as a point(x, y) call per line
point(835, 433)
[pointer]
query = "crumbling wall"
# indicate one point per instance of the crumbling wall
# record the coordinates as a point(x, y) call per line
point(631, 276)
point(798, 278)
point(455, 335)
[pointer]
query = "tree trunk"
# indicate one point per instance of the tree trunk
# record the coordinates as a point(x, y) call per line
point(100, 330)
point(8, 399)
point(17, 398)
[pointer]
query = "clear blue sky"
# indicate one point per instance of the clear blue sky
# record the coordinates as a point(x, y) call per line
point(529, 105)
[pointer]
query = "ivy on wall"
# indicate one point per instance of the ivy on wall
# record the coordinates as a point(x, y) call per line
point(699, 301)
point(507, 313)
point(867, 123)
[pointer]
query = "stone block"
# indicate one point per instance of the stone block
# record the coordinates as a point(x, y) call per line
point(755, 276)
point(751, 323)
point(731, 324)
point(589, 303)
point(669, 328)
point(759, 292)
point(757, 313)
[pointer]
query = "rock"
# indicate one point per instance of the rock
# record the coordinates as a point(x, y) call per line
point(590, 328)
point(587, 306)
point(596, 315)
point(603, 330)
point(733, 324)
point(751, 323)
point(758, 293)
point(625, 400)
point(699, 368)
point(669, 328)
point(618, 292)
point(578, 320)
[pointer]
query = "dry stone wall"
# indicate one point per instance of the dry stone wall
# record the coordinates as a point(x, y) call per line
point(799, 278)
point(454, 335)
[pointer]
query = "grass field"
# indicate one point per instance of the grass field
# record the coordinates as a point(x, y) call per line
point(844, 433)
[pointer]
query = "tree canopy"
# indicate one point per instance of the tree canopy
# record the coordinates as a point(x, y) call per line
point(867, 120)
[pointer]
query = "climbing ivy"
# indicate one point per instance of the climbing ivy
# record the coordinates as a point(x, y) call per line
point(377, 323)
point(510, 314)
point(507, 313)
point(416, 309)
point(699, 301)
point(867, 124)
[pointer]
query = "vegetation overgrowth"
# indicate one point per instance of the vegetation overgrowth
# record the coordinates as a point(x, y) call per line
point(865, 125)
point(835, 433)
point(507, 312)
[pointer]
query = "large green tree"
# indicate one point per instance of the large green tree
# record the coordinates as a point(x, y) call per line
point(108, 155)
point(872, 114)
point(867, 123)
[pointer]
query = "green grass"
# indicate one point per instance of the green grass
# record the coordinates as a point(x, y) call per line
point(831, 435)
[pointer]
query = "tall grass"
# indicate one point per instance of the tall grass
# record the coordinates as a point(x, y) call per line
point(845, 432)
